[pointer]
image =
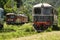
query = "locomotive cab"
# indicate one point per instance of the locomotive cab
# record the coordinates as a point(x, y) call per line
point(10, 18)
point(43, 16)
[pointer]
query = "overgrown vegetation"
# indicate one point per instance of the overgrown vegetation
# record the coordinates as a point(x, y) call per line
point(15, 31)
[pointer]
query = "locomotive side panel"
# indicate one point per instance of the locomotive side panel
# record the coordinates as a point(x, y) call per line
point(55, 17)
point(12, 18)
point(18, 19)
point(21, 19)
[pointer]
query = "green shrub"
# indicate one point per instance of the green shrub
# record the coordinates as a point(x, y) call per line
point(15, 31)
point(49, 29)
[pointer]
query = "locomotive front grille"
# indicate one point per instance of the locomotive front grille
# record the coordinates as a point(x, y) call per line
point(43, 18)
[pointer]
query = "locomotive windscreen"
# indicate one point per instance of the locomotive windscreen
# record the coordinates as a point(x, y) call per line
point(11, 16)
point(47, 10)
point(37, 10)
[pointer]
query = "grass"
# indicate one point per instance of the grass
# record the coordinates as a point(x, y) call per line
point(54, 35)
point(15, 31)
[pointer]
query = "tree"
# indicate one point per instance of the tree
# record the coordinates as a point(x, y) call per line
point(19, 3)
point(10, 6)
point(2, 3)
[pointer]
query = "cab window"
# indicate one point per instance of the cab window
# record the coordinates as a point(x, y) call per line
point(10, 16)
point(37, 10)
point(47, 10)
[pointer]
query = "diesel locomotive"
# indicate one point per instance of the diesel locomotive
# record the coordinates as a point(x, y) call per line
point(44, 16)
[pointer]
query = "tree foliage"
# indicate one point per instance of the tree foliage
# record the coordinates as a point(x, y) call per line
point(2, 3)
point(10, 6)
point(19, 3)
point(25, 6)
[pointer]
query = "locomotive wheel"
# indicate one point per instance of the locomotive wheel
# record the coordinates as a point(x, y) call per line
point(38, 29)
point(1, 26)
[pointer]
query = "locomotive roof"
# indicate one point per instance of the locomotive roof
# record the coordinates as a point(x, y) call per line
point(44, 4)
point(10, 14)
point(21, 15)
point(1, 9)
